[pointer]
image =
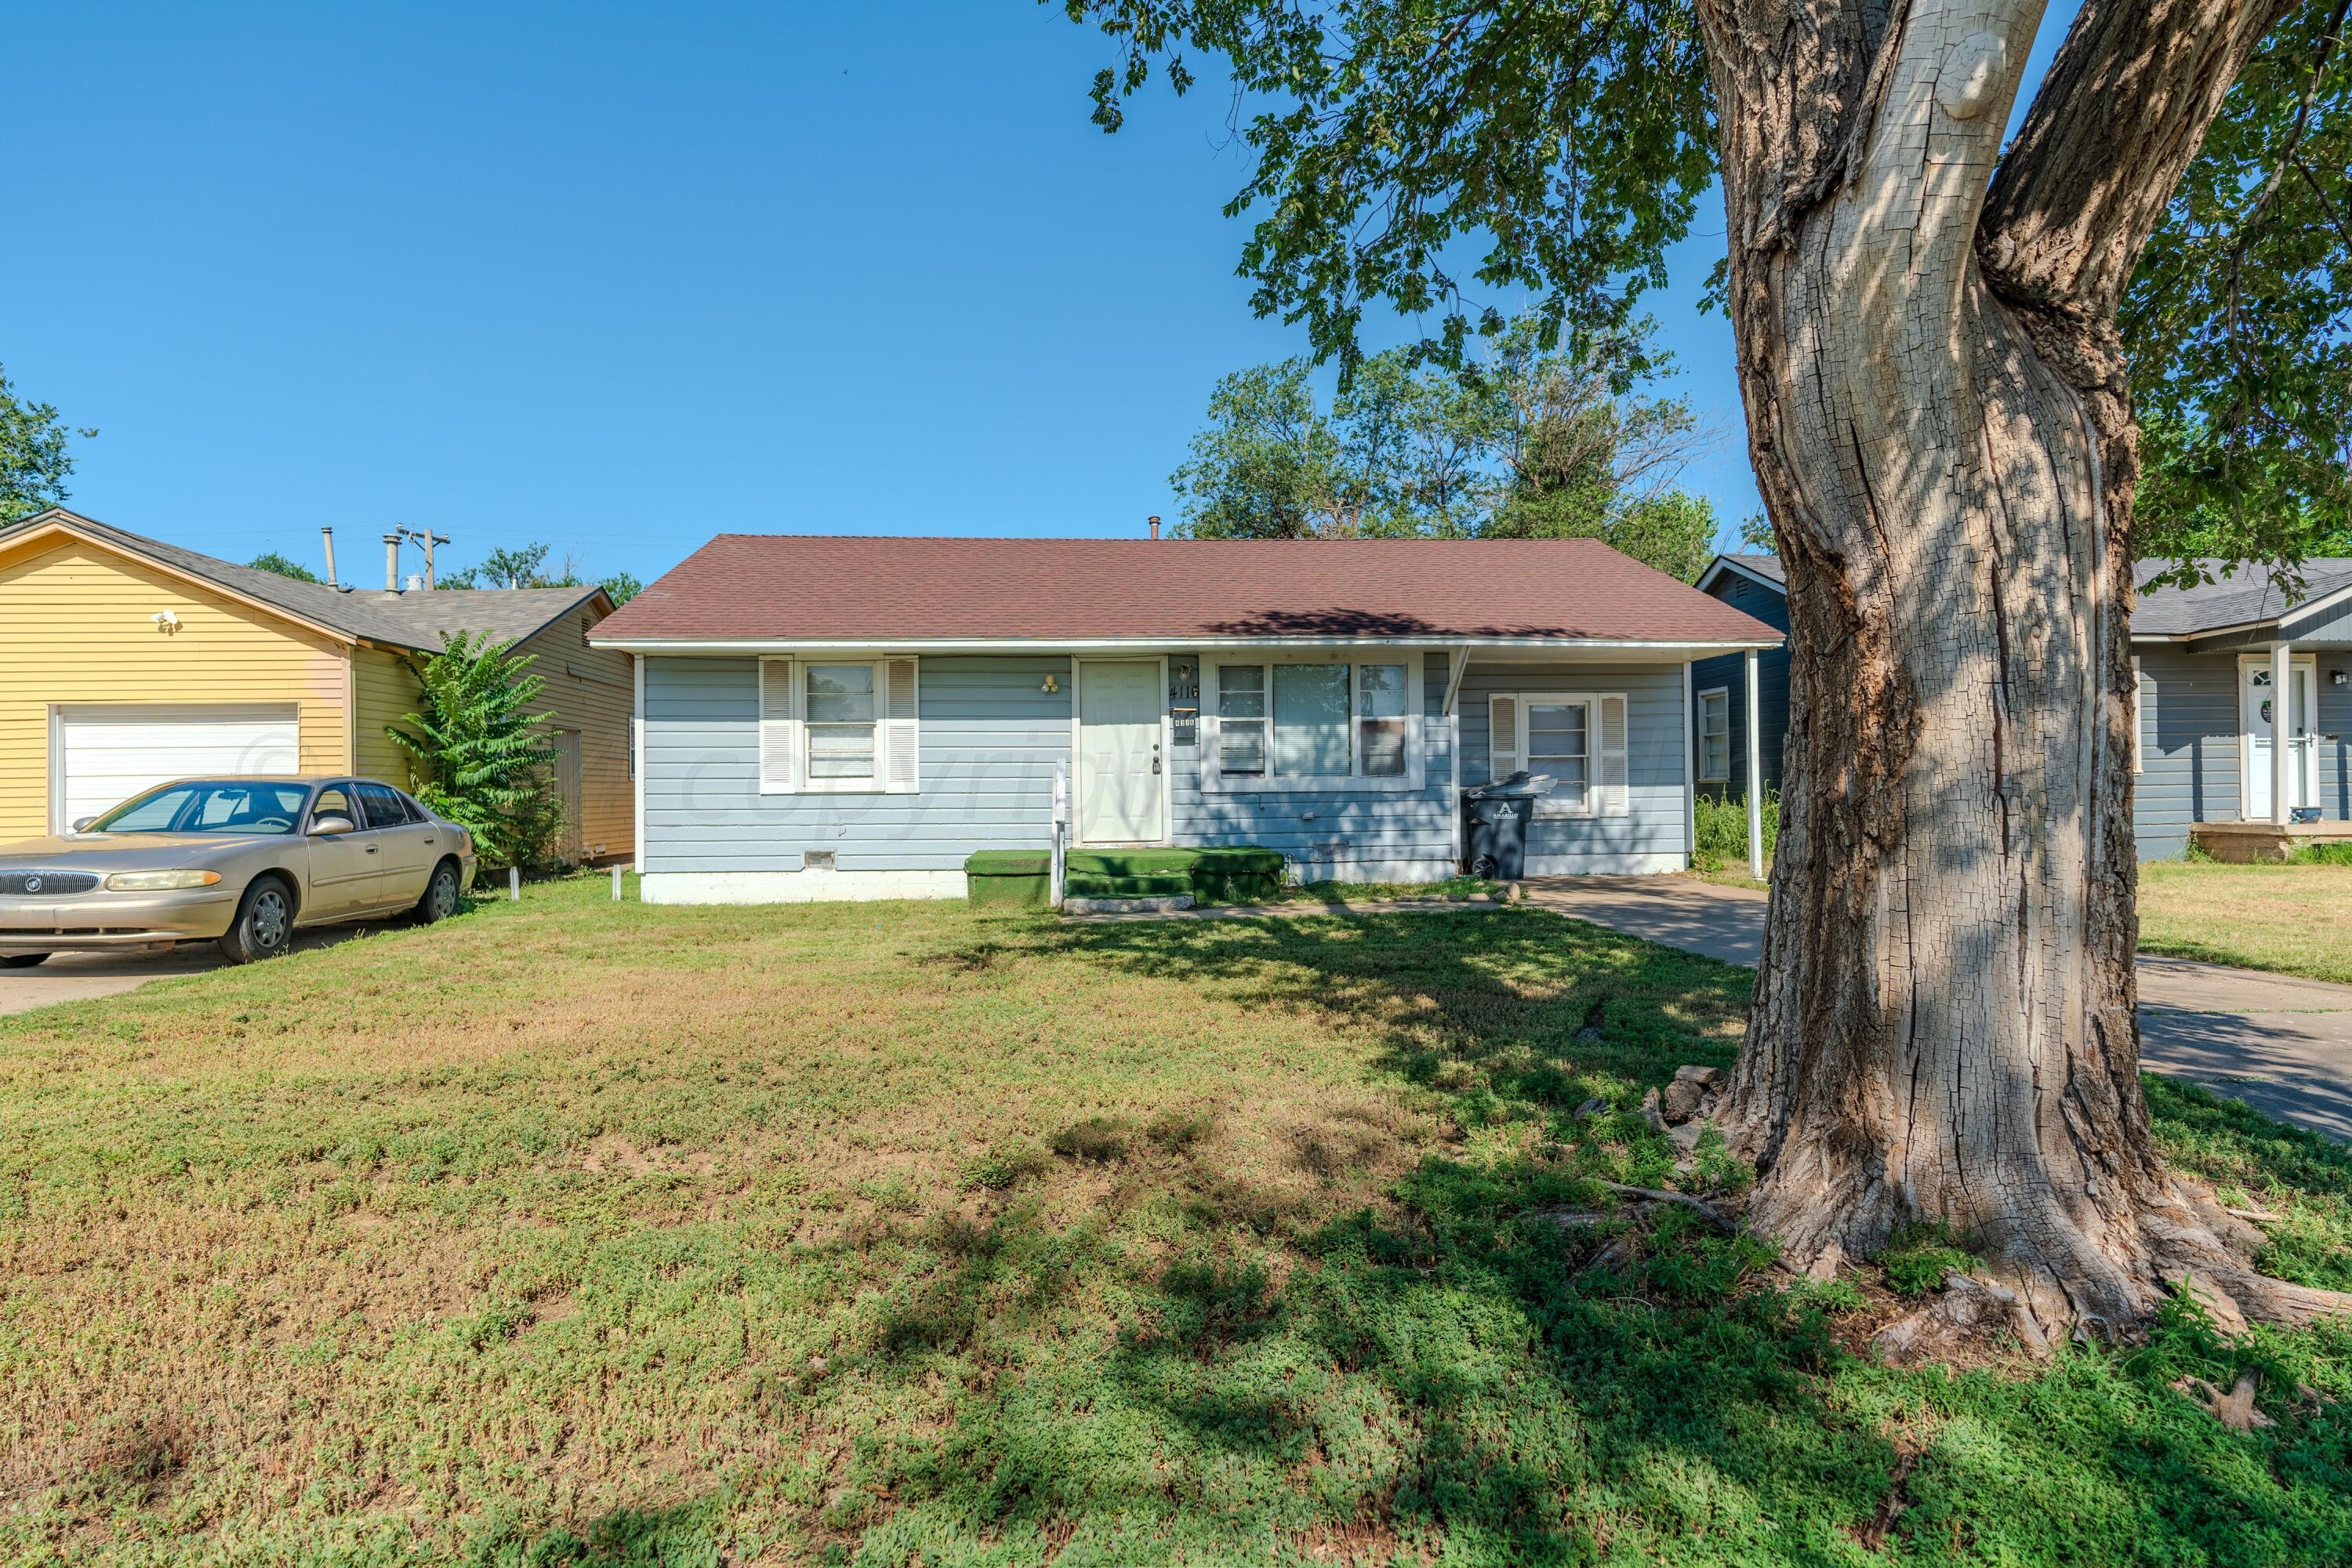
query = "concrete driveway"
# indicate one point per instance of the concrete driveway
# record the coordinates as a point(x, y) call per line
point(2280, 1042)
point(81, 976)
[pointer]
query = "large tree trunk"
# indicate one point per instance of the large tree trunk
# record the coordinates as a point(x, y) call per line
point(1945, 1023)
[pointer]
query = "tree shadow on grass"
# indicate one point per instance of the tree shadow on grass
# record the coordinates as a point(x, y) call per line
point(1439, 1373)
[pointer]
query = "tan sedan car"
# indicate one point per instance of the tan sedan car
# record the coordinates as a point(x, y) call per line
point(245, 862)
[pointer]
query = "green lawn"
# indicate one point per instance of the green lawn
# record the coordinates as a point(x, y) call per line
point(571, 1232)
point(2294, 919)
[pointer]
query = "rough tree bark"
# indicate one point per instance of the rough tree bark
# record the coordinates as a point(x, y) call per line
point(1936, 409)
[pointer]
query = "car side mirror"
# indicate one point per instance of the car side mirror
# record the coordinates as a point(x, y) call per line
point(329, 826)
point(81, 824)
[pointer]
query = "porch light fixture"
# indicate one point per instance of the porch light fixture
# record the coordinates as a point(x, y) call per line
point(1053, 683)
point(2339, 678)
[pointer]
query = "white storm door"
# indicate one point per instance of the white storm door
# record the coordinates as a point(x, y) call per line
point(1120, 765)
point(107, 754)
point(2257, 712)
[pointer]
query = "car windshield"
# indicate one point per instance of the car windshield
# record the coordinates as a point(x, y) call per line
point(221, 805)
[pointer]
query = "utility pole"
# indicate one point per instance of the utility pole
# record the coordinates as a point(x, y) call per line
point(426, 540)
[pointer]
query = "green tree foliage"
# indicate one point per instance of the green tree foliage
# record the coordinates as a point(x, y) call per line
point(1420, 153)
point(1556, 149)
point(526, 567)
point(284, 566)
point(1526, 443)
point(488, 763)
point(2240, 320)
point(34, 457)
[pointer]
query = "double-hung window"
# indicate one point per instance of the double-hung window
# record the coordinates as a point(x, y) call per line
point(1715, 735)
point(841, 717)
point(1312, 723)
point(838, 724)
point(1575, 739)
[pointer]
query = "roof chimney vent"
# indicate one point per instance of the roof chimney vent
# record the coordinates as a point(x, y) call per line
point(391, 563)
point(1153, 524)
point(327, 536)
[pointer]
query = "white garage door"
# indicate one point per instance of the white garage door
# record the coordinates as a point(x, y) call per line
point(106, 755)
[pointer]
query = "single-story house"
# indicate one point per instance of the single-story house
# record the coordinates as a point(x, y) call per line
point(2207, 659)
point(126, 661)
point(828, 717)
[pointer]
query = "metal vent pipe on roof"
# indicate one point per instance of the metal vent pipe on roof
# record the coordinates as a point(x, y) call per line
point(1154, 524)
point(391, 563)
point(327, 537)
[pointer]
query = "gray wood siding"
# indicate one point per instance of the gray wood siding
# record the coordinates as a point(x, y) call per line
point(1386, 835)
point(2189, 747)
point(2329, 630)
point(1729, 670)
point(990, 739)
point(1656, 732)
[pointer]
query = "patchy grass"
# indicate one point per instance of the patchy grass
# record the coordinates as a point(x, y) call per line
point(2296, 920)
point(577, 1233)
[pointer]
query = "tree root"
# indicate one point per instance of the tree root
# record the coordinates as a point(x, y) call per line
point(1967, 1305)
point(2269, 1300)
point(2234, 1409)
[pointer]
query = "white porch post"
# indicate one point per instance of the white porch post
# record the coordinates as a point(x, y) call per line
point(2281, 729)
point(1690, 773)
point(1754, 776)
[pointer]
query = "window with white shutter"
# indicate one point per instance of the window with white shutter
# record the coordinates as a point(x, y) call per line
point(1575, 739)
point(834, 725)
point(780, 740)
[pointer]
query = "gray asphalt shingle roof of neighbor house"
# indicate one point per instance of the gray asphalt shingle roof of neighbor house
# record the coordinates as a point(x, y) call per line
point(419, 618)
point(828, 587)
point(2248, 598)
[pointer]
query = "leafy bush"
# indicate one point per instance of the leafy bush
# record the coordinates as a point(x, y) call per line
point(1722, 831)
point(487, 764)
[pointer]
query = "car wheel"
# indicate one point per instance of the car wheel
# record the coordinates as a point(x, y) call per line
point(264, 927)
point(442, 895)
point(22, 960)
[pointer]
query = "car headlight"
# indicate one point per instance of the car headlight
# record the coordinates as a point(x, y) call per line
point(156, 882)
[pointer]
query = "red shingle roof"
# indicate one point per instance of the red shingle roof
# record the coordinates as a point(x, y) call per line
point(826, 588)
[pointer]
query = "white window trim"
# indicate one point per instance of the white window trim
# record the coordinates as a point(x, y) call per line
point(783, 758)
point(1598, 800)
point(1705, 776)
point(1209, 737)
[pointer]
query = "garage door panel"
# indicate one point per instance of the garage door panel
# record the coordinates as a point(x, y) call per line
point(106, 755)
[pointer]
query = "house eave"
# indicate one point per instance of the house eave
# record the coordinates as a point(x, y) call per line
point(1686, 648)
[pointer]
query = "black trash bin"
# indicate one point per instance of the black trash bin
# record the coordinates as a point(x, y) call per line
point(1495, 819)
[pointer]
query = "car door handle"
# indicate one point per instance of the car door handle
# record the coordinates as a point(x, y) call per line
point(374, 847)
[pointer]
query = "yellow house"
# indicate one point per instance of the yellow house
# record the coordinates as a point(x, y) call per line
point(125, 661)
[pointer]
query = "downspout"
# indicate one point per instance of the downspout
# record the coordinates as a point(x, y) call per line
point(1690, 773)
point(1755, 774)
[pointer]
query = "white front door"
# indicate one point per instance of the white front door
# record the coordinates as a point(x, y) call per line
point(2257, 723)
point(1120, 764)
point(107, 754)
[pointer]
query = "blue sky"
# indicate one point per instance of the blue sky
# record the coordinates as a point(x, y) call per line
point(619, 277)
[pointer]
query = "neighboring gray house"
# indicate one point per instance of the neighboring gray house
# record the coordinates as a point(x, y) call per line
point(826, 717)
point(2208, 659)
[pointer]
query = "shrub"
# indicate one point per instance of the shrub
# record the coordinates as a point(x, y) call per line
point(487, 764)
point(1722, 831)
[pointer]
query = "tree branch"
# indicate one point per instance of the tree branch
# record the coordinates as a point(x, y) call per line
point(2120, 114)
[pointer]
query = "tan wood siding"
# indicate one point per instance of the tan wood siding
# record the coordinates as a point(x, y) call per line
point(387, 693)
point(77, 626)
point(591, 690)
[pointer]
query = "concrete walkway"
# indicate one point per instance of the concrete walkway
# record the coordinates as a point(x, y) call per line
point(2280, 1042)
point(86, 976)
